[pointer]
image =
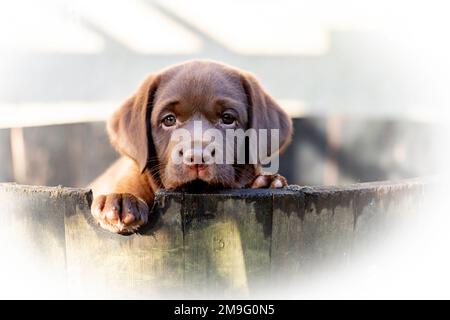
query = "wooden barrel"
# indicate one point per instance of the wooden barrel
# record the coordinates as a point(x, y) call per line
point(232, 242)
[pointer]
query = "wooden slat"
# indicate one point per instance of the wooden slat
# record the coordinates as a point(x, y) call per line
point(6, 169)
point(382, 211)
point(147, 264)
point(327, 231)
point(227, 241)
point(69, 155)
point(287, 237)
point(319, 227)
point(32, 234)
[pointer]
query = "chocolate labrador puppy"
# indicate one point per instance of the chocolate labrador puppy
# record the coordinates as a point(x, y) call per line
point(206, 92)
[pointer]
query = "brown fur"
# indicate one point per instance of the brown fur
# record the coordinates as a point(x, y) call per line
point(195, 90)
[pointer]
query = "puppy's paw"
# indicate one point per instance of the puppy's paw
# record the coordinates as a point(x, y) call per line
point(120, 212)
point(269, 181)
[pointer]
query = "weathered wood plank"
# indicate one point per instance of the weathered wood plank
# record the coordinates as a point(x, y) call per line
point(69, 155)
point(321, 227)
point(227, 241)
point(32, 226)
point(327, 229)
point(148, 264)
point(382, 210)
point(6, 168)
point(212, 248)
point(287, 236)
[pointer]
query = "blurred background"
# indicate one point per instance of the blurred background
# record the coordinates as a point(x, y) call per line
point(365, 81)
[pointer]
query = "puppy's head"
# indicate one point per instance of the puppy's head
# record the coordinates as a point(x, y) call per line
point(192, 99)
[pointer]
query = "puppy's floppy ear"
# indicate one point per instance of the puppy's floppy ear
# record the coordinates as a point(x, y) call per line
point(129, 127)
point(264, 112)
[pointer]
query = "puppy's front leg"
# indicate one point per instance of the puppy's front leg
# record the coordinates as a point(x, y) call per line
point(122, 198)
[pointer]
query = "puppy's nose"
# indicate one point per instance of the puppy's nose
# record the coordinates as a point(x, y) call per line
point(198, 156)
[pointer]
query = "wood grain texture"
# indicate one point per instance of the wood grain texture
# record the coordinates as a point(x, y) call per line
point(227, 238)
point(229, 243)
point(32, 227)
point(148, 264)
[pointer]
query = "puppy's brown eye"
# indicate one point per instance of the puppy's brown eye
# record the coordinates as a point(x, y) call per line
point(169, 120)
point(228, 118)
